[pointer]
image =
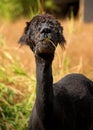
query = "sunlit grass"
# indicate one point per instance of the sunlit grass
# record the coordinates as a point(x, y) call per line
point(39, 9)
point(15, 101)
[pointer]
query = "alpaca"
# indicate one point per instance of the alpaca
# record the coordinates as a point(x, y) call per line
point(67, 104)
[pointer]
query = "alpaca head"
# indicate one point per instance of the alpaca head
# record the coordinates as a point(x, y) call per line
point(42, 34)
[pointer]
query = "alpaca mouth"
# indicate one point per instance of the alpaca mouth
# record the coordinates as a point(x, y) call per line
point(45, 47)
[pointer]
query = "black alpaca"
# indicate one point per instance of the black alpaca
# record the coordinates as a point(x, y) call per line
point(67, 104)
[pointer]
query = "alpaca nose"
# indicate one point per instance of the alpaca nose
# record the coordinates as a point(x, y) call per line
point(45, 30)
point(45, 33)
point(43, 36)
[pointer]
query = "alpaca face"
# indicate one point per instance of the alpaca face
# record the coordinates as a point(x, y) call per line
point(42, 34)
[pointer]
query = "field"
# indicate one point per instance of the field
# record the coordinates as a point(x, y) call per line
point(17, 67)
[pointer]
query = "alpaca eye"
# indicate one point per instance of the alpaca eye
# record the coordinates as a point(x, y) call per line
point(46, 30)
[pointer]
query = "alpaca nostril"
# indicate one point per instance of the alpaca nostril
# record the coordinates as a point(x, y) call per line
point(45, 30)
point(43, 36)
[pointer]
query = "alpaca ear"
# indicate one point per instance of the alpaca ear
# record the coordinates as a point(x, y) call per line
point(62, 40)
point(23, 39)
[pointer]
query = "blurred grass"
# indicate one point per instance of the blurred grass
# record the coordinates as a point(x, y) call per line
point(13, 9)
point(10, 10)
point(15, 104)
point(49, 5)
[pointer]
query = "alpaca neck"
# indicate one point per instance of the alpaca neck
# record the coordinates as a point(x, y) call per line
point(44, 88)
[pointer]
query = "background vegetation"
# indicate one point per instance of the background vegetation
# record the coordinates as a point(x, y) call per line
point(13, 9)
point(15, 104)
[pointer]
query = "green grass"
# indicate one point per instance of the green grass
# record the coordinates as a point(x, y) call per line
point(13, 115)
point(13, 9)
point(17, 92)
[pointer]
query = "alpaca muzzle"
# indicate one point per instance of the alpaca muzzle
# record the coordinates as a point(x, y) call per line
point(44, 47)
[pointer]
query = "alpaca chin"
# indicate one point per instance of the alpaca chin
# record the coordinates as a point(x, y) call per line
point(45, 48)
